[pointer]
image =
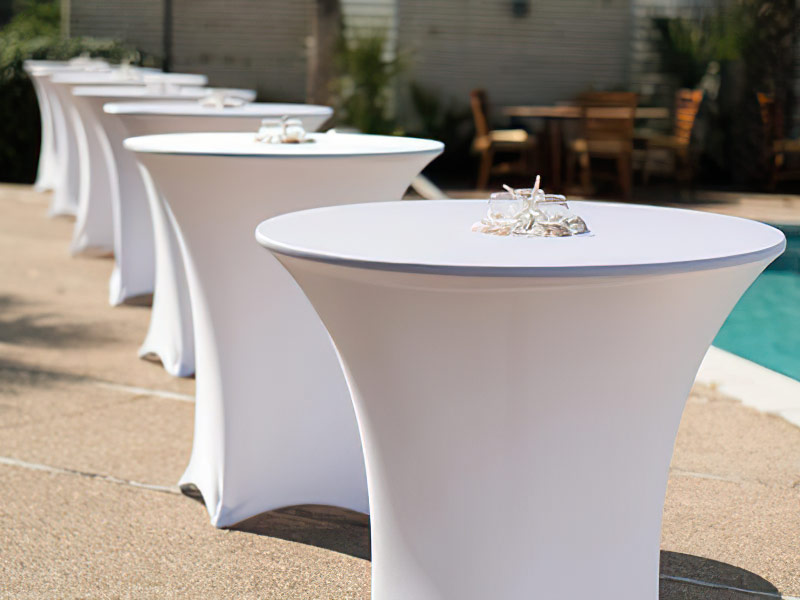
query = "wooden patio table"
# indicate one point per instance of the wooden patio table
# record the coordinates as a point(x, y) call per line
point(554, 114)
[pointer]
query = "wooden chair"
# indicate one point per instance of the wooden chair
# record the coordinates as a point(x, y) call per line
point(687, 103)
point(488, 142)
point(777, 147)
point(606, 132)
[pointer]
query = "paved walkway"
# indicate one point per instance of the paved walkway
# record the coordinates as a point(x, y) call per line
point(771, 208)
point(94, 439)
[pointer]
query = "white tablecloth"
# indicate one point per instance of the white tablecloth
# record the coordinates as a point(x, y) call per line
point(170, 335)
point(273, 423)
point(66, 193)
point(112, 179)
point(52, 120)
point(518, 398)
point(46, 168)
point(87, 176)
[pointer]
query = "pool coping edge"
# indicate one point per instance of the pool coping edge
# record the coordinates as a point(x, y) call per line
point(754, 385)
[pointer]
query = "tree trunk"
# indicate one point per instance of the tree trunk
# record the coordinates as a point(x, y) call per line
point(325, 31)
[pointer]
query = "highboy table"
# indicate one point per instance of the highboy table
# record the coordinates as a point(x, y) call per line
point(97, 177)
point(66, 193)
point(274, 424)
point(170, 336)
point(50, 112)
point(54, 126)
point(112, 208)
point(518, 398)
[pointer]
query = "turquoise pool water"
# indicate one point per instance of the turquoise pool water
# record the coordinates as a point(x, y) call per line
point(765, 325)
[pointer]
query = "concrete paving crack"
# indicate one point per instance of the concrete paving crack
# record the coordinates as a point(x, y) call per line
point(108, 385)
point(15, 462)
point(728, 588)
point(679, 473)
point(144, 391)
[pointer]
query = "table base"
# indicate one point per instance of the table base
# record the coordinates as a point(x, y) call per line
point(93, 232)
point(518, 431)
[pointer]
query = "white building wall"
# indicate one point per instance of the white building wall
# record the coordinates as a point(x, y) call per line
point(372, 17)
point(367, 16)
point(557, 50)
point(553, 53)
point(258, 44)
point(137, 22)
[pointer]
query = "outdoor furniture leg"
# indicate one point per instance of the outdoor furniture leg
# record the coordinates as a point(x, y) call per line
point(554, 128)
point(485, 171)
point(586, 170)
point(625, 175)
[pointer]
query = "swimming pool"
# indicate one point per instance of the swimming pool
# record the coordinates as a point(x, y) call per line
point(765, 325)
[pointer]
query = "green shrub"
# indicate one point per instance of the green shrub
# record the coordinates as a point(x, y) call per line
point(750, 45)
point(363, 89)
point(34, 34)
point(686, 47)
point(446, 120)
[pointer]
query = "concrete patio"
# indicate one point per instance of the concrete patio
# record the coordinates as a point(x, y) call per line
point(94, 439)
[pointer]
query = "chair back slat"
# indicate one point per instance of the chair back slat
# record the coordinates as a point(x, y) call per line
point(687, 103)
point(608, 116)
point(771, 117)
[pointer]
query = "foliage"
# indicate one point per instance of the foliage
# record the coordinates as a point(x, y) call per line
point(448, 122)
point(34, 34)
point(687, 47)
point(438, 120)
point(760, 33)
point(34, 19)
point(768, 50)
point(363, 88)
point(749, 45)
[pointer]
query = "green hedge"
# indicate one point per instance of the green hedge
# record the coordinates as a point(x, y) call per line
point(34, 34)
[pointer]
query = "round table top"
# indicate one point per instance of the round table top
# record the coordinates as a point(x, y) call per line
point(436, 237)
point(134, 92)
point(195, 109)
point(48, 67)
point(325, 145)
point(132, 78)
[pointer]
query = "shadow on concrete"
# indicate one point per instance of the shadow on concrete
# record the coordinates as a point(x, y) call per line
point(720, 581)
point(683, 576)
point(43, 329)
point(16, 377)
point(327, 527)
point(143, 301)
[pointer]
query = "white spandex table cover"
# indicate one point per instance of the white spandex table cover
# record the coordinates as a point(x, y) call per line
point(114, 206)
point(274, 425)
point(93, 228)
point(54, 141)
point(170, 335)
point(46, 169)
point(39, 72)
point(66, 190)
point(518, 398)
